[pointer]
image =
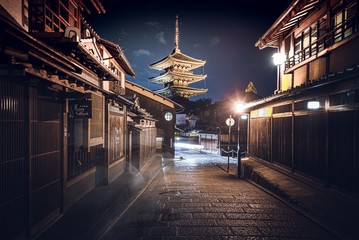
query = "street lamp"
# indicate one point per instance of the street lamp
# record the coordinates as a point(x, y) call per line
point(278, 60)
point(239, 109)
point(230, 123)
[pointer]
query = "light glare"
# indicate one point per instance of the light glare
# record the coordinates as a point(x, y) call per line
point(278, 58)
point(189, 146)
point(313, 105)
point(239, 107)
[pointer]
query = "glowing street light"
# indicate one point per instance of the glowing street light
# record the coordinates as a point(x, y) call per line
point(239, 107)
point(278, 58)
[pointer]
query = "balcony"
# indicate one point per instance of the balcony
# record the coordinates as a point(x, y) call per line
point(328, 41)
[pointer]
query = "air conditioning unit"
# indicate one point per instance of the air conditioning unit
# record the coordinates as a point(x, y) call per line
point(73, 33)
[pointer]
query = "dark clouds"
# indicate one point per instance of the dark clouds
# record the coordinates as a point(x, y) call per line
point(221, 34)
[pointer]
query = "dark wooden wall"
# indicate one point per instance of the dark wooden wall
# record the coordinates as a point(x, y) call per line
point(143, 146)
point(30, 157)
point(260, 138)
point(322, 144)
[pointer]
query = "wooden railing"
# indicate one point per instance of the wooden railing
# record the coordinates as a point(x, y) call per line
point(345, 30)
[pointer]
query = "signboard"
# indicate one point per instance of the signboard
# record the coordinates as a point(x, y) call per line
point(81, 109)
point(230, 121)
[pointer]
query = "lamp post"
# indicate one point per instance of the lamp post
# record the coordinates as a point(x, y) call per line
point(278, 59)
point(239, 110)
point(230, 123)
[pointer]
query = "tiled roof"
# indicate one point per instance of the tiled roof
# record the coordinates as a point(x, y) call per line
point(330, 78)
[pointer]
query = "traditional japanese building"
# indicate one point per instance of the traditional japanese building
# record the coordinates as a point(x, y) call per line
point(310, 125)
point(65, 118)
point(178, 73)
point(164, 111)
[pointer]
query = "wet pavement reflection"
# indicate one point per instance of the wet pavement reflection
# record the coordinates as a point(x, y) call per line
point(193, 198)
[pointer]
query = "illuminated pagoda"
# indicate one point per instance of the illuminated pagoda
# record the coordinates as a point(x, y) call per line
point(178, 73)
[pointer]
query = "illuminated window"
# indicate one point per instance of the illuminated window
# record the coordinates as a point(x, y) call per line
point(344, 21)
point(314, 38)
point(297, 49)
point(306, 42)
point(337, 24)
point(349, 15)
point(313, 105)
point(311, 41)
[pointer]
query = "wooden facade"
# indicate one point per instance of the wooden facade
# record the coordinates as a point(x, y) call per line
point(160, 106)
point(31, 161)
point(310, 125)
point(64, 116)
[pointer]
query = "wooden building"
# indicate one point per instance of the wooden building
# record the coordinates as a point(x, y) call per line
point(164, 111)
point(310, 125)
point(64, 115)
point(178, 73)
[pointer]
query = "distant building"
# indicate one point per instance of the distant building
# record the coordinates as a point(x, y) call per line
point(178, 73)
point(310, 125)
point(164, 111)
point(211, 118)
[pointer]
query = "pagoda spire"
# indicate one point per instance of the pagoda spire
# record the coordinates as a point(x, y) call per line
point(178, 73)
point(251, 88)
point(177, 35)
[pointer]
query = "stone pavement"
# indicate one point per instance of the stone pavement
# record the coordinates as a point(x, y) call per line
point(337, 212)
point(108, 212)
point(194, 199)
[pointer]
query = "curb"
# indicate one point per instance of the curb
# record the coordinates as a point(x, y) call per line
point(252, 172)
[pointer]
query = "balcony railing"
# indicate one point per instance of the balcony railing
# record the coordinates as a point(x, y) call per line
point(341, 32)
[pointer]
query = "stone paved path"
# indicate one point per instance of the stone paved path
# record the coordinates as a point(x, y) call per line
point(192, 198)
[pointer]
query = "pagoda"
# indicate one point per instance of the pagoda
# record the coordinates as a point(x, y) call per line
point(178, 73)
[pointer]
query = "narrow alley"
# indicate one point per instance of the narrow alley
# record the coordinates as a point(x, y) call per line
point(193, 198)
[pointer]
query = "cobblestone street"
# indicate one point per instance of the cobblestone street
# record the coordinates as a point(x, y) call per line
point(192, 198)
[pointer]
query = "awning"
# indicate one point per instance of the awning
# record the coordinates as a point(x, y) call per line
point(349, 74)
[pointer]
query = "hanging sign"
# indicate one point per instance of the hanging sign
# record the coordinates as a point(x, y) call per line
point(81, 109)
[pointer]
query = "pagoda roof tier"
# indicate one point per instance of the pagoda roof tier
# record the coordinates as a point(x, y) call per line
point(175, 76)
point(178, 60)
point(171, 91)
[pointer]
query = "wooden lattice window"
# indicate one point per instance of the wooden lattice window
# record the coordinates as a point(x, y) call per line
point(97, 120)
point(54, 15)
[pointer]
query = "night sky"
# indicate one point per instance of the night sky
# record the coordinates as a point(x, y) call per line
point(222, 33)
